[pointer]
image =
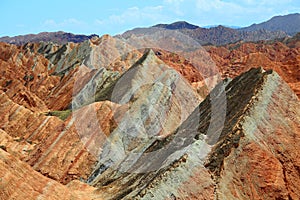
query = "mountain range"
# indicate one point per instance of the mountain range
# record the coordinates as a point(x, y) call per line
point(59, 37)
point(219, 35)
point(276, 27)
point(102, 120)
point(150, 114)
point(290, 24)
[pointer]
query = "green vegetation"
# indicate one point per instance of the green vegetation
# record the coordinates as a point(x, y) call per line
point(7, 83)
point(19, 139)
point(3, 147)
point(28, 77)
point(63, 114)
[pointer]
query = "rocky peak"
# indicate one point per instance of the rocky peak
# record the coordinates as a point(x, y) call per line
point(177, 25)
point(157, 98)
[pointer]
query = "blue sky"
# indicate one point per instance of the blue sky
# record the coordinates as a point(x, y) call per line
point(116, 16)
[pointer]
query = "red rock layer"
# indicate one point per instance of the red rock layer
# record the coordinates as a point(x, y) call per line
point(236, 58)
point(46, 141)
point(266, 163)
point(68, 150)
point(19, 181)
point(24, 77)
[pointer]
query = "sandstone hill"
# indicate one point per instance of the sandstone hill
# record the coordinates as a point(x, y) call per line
point(102, 119)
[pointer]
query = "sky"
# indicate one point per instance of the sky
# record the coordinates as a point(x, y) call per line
point(113, 17)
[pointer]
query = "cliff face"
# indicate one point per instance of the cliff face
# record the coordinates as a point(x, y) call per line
point(135, 124)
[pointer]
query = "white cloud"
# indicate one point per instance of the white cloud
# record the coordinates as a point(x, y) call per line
point(50, 23)
point(241, 13)
point(133, 9)
point(199, 12)
point(176, 6)
point(133, 15)
point(173, 1)
point(273, 2)
point(217, 5)
point(20, 25)
point(99, 22)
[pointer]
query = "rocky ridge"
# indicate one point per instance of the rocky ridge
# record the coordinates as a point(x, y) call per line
point(128, 122)
point(196, 152)
point(59, 37)
point(219, 35)
point(287, 23)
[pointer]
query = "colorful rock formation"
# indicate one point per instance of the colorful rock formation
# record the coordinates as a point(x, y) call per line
point(103, 119)
point(236, 58)
point(237, 158)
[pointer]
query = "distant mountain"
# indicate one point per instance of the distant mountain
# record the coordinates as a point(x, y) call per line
point(177, 25)
point(56, 37)
point(275, 28)
point(212, 26)
point(287, 23)
point(219, 35)
point(223, 35)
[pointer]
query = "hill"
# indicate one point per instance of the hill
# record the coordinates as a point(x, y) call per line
point(219, 35)
point(290, 24)
point(56, 37)
point(177, 25)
